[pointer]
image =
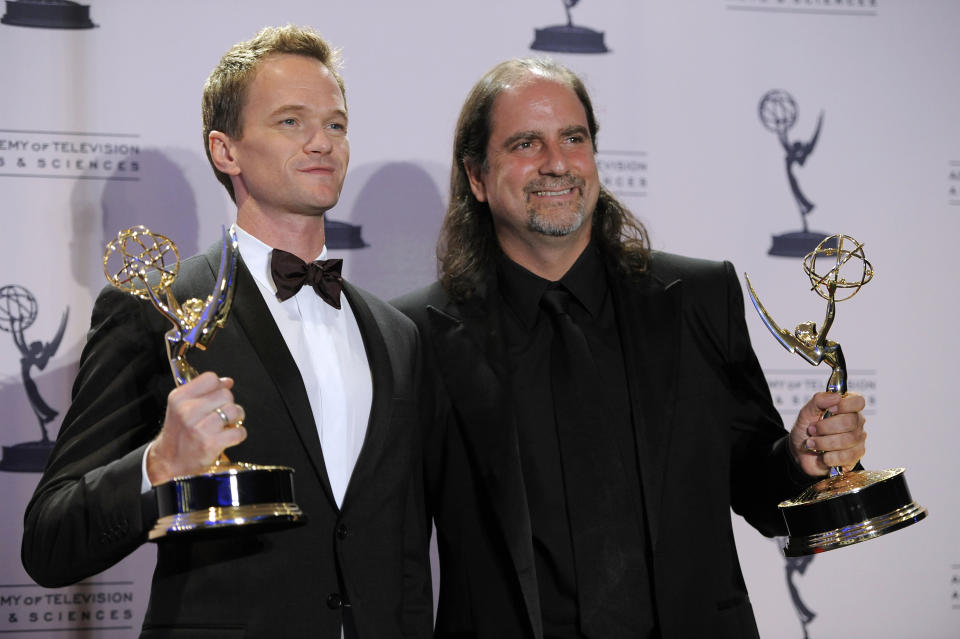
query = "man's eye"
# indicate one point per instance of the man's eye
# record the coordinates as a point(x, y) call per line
point(288, 121)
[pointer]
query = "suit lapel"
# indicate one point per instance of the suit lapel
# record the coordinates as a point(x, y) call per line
point(648, 317)
point(469, 353)
point(254, 319)
point(381, 371)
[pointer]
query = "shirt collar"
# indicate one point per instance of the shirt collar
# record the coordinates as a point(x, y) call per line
point(586, 281)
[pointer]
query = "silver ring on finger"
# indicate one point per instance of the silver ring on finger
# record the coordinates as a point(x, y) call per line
point(223, 416)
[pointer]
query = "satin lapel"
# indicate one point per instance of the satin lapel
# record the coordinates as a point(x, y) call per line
point(467, 346)
point(378, 358)
point(648, 314)
point(254, 318)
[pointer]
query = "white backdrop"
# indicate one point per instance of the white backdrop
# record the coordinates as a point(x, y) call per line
point(100, 130)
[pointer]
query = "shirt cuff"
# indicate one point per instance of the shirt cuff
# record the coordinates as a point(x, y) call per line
point(145, 485)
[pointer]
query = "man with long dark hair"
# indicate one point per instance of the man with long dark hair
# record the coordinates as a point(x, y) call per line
point(597, 408)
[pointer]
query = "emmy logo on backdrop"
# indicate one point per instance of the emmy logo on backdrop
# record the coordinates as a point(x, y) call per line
point(778, 113)
point(569, 38)
point(48, 14)
point(846, 507)
point(795, 566)
point(18, 311)
point(229, 496)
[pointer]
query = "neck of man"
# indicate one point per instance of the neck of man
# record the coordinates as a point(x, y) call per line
point(302, 235)
point(545, 256)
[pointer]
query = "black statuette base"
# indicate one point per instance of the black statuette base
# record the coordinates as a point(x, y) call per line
point(28, 457)
point(847, 509)
point(235, 499)
point(49, 14)
point(797, 243)
point(569, 39)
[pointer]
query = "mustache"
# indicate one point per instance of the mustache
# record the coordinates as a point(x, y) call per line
point(555, 184)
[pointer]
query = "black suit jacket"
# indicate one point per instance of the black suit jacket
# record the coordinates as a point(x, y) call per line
point(708, 438)
point(87, 512)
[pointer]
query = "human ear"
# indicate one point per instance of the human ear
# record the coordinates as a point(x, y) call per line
point(222, 153)
point(475, 175)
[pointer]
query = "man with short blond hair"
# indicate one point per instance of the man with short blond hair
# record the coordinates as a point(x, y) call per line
point(225, 91)
point(324, 382)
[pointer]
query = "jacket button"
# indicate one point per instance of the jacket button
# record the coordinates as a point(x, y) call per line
point(341, 532)
point(334, 601)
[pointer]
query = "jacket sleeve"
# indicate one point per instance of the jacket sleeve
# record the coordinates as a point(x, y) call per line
point(87, 512)
point(762, 471)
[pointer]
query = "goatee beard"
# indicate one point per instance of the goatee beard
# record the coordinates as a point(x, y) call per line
point(543, 224)
point(556, 223)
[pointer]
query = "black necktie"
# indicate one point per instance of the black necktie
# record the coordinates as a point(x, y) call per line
point(607, 544)
point(290, 273)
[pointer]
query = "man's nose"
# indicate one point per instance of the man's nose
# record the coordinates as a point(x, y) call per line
point(318, 142)
point(555, 161)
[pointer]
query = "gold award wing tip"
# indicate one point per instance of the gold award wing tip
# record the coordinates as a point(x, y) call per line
point(786, 338)
point(217, 307)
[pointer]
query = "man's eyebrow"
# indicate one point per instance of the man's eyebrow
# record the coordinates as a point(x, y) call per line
point(576, 129)
point(521, 135)
point(300, 108)
point(287, 108)
point(573, 129)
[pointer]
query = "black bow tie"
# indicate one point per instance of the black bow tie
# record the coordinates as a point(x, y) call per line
point(290, 273)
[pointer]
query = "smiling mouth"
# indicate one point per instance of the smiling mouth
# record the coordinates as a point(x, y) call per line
point(553, 193)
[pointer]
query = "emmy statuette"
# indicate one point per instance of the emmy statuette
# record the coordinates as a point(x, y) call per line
point(778, 113)
point(569, 38)
point(18, 311)
point(230, 496)
point(846, 507)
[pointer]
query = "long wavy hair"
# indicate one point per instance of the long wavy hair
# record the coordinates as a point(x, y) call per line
point(467, 241)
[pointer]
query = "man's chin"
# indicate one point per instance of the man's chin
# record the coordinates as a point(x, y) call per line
point(556, 225)
point(320, 203)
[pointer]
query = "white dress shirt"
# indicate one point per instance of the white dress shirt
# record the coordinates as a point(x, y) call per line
point(328, 349)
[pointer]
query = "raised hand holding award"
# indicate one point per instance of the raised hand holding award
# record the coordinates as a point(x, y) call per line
point(846, 507)
point(229, 496)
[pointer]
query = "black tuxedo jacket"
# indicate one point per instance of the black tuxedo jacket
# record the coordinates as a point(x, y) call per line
point(87, 512)
point(708, 438)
